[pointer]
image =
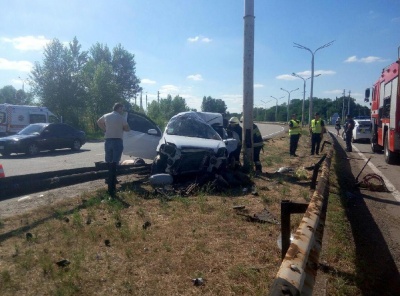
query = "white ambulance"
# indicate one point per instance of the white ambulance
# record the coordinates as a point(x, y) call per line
point(14, 118)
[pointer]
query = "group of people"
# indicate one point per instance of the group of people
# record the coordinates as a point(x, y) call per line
point(235, 131)
point(317, 129)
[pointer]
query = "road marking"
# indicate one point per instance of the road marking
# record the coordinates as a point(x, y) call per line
point(278, 132)
point(389, 185)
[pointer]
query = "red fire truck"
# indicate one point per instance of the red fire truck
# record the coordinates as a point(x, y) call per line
point(385, 112)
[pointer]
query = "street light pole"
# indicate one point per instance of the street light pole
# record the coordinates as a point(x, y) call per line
point(288, 101)
point(276, 107)
point(304, 93)
point(312, 70)
point(265, 116)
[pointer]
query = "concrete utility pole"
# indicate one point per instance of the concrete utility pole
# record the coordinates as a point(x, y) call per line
point(304, 94)
point(147, 105)
point(343, 116)
point(158, 96)
point(288, 101)
point(248, 84)
point(312, 71)
point(348, 104)
point(141, 105)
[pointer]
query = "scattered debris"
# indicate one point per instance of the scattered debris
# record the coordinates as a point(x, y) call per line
point(198, 281)
point(146, 225)
point(373, 182)
point(284, 170)
point(63, 263)
point(107, 243)
point(264, 216)
point(29, 236)
point(118, 224)
point(66, 219)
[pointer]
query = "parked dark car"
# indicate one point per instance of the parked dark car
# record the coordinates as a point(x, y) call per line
point(42, 136)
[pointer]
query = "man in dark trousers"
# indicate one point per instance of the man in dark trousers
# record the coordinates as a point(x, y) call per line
point(349, 131)
point(234, 130)
point(294, 133)
point(316, 130)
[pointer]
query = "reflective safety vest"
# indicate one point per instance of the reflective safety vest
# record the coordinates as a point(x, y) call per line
point(295, 129)
point(316, 127)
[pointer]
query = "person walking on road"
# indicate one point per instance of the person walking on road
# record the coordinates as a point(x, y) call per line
point(294, 133)
point(113, 124)
point(337, 127)
point(349, 132)
point(316, 131)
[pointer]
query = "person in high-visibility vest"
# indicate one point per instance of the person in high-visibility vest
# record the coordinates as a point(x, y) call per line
point(294, 133)
point(316, 130)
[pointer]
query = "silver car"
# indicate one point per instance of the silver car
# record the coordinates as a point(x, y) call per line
point(362, 130)
point(192, 142)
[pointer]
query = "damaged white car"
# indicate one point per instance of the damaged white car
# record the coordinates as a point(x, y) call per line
point(193, 142)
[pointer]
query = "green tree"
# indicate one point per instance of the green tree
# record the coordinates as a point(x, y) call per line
point(58, 82)
point(210, 104)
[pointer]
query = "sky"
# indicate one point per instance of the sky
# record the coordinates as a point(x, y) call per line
point(195, 48)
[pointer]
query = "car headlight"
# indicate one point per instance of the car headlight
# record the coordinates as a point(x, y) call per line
point(222, 152)
point(169, 149)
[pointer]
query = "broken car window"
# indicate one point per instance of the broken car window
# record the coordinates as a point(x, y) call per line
point(191, 125)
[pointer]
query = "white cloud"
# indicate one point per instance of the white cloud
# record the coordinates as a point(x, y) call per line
point(199, 39)
point(26, 43)
point(195, 77)
point(23, 66)
point(334, 92)
point(147, 81)
point(286, 77)
point(169, 89)
point(395, 20)
point(306, 74)
point(366, 60)
point(258, 85)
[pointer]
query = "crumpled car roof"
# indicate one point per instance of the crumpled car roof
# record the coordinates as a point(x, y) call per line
point(190, 124)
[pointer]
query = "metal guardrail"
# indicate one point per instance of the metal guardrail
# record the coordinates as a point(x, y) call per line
point(27, 184)
point(296, 275)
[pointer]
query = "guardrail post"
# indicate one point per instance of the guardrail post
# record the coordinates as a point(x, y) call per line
point(315, 172)
point(112, 178)
point(288, 208)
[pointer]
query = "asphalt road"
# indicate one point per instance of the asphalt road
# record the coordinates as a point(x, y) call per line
point(90, 153)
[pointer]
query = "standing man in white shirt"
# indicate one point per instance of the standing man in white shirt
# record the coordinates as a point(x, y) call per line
point(113, 124)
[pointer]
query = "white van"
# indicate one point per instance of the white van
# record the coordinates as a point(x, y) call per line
point(14, 118)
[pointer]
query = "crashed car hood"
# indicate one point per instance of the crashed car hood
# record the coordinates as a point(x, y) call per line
point(191, 142)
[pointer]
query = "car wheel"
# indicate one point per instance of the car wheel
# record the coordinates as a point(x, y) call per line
point(76, 145)
point(353, 140)
point(33, 149)
point(389, 155)
point(159, 165)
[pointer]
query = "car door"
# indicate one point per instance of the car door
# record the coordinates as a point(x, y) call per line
point(143, 138)
point(49, 139)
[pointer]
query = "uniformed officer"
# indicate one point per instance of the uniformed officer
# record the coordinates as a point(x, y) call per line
point(234, 130)
point(294, 133)
point(316, 128)
point(258, 144)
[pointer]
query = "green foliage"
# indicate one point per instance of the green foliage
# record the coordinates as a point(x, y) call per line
point(161, 112)
point(9, 95)
point(210, 104)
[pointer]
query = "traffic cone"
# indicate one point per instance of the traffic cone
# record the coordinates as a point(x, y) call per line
point(2, 175)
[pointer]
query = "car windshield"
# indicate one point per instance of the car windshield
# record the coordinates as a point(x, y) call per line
point(31, 129)
point(191, 125)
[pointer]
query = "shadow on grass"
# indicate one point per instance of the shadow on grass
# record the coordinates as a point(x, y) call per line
point(376, 271)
